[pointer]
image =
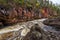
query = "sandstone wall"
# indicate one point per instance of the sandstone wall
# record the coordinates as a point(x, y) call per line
point(18, 31)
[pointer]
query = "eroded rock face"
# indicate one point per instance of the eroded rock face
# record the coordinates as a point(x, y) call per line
point(34, 34)
point(54, 22)
point(32, 30)
point(52, 29)
point(20, 31)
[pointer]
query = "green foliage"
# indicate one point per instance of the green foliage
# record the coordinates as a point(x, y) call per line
point(19, 1)
point(3, 2)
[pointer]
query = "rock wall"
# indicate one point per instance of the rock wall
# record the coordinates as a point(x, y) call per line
point(18, 31)
point(32, 30)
